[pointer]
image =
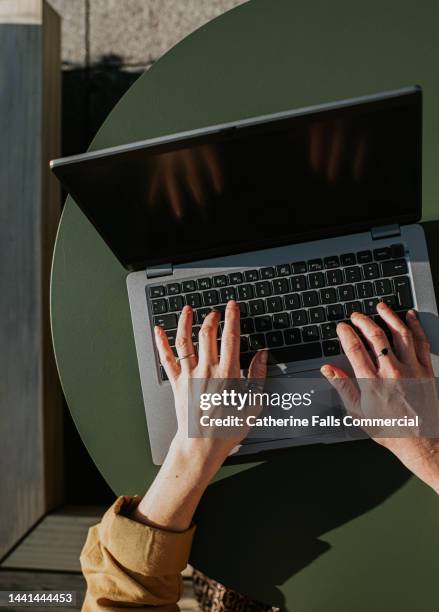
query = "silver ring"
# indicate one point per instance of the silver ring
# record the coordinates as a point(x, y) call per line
point(384, 352)
point(185, 356)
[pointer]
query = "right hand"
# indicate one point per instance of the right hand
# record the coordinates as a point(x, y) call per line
point(410, 359)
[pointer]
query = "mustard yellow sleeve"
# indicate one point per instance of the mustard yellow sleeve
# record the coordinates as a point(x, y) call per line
point(127, 563)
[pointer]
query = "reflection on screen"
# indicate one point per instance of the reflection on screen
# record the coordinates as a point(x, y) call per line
point(257, 186)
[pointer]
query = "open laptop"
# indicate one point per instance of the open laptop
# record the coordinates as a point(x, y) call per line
point(301, 216)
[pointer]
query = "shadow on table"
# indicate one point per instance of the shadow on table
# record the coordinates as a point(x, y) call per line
point(265, 524)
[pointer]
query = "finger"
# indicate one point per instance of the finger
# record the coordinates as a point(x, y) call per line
point(229, 358)
point(402, 336)
point(335, 153)
point(257, 370)
point(194, 180)
point(356, 352)
point(344, 385)
point(167, 357)
point(207, 339)
point(377, 340)
point(214, 169)
point(183, 341)
point(421, 342)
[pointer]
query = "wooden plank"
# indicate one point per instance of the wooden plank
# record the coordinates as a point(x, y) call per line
point(55, 543)
point(24, 486)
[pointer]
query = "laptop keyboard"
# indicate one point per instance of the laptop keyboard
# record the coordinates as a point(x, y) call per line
point(293, 308)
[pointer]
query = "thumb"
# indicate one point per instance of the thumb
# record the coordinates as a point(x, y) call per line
point(344, 385)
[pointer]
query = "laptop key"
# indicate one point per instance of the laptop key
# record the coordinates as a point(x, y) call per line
point(210, 298)
point(263, 323)
point(332, 262)
point(394, 267)
point(235, 278)
point(195, 332)
point(251, 275)
point(201, 314)
point(403, 292)
point(220, 280)
point(245, 292)
point(257, 342)
point(351, 307)
point(382, 253)
point(274, 304)
point(267, 272)
point(256, 307)
point(188, 286)
point(348, 259)
point(331, 347)
point(292, 301)
point(390, 300)
point(292, 336)
point(176, 302)
point(316, 280)
point(315, 265)
point(383, 286)
point(297, 352)
point(159, 306)
point(328, 330)
point(274, 339)
point(334, 277)
point(299, 267)
point(172, 334)
point(167, 321)
point(346, 292)
point(364, 257)
point(227, 294)
point(371, 271)
point(397, 251)
point(247, 326)
point(193, 299)
point(353, 274)
point(173, 288)
point(364, 290)
point(317, 315)
point(299, 318)
point(310, 298)
point(310, 333)
point(204, 283)
point(280, 285)
point(370, 306)
point(328, 296)
point(281, 320)
point(283, 270)
point(335, 312)
point(156, 292)
point(244, 344)
point(298, 283)
point(263, 289)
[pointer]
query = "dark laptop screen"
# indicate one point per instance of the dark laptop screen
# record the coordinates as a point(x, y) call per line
point(334, 171)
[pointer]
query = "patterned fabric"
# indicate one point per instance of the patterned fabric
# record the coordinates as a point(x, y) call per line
point(214, 597)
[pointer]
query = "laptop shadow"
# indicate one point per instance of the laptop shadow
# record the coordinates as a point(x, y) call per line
point(267, 523)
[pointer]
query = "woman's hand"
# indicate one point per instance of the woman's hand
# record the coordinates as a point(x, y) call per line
point(410, 359)
point(192, 462)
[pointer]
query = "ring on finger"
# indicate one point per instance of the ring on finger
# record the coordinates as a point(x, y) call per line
point(185, 357)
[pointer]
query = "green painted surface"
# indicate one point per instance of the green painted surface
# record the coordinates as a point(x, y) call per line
point(336, 528)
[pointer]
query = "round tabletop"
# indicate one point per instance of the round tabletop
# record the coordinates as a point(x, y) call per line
point(337, 527)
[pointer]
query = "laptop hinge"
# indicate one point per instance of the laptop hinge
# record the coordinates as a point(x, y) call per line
point(385, 231)
point(158, 271)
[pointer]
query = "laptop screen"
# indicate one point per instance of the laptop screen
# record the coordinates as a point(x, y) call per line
point(337, 169)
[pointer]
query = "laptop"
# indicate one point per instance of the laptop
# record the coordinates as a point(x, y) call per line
point(301, 216)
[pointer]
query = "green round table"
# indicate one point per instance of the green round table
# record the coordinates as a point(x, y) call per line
point(334, 528)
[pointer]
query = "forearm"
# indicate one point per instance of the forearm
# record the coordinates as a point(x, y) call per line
point(172, 499)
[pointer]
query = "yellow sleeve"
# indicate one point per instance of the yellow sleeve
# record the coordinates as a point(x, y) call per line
point(130, 564)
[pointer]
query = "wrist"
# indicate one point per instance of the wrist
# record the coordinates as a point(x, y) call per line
point(197, 455)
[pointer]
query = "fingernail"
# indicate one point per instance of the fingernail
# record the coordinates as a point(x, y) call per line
point(412, 314)
point(381, 304)
point(354, 314)
point(187, 308)
point(263, 356)
point(157, 329)
point(231, 304)
point(327, 371)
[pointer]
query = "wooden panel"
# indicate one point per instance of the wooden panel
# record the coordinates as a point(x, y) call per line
point(20, 11)
point(26, 229)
